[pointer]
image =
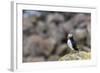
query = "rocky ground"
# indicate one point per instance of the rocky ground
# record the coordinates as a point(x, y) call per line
point(82, 55)
point(45, 35)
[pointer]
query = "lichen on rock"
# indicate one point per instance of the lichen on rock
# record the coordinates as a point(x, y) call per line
point(76, 56)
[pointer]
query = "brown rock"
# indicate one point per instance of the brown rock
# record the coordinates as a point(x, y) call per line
point(26, 23)
point(42, 29)
point(67, 26)
point(36, 45)
point(55, 18)
point(34, 59)
point(87, 49)
point(78, 18)
point(61, 49)
point(80, 33)
point(53, 58)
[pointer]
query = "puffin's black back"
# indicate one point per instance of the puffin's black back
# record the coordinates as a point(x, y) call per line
point(74, 44)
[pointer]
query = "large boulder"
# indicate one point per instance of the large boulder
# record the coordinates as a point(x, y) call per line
point(79, 18)
point(62, 50)
point(56, 18)
point(36, 45)
point(80, 34)
point(67, 26)
point(56, 33)
point(42, 29)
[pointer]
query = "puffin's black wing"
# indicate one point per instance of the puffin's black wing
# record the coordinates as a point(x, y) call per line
point(74, 44)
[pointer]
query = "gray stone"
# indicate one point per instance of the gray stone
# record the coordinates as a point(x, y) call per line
point(26, 23)
point(87, 49)
point(61, 49)
point(55, 18)
point(67, 26)
point(36, 45)
point(80, 33)
point(42, 29)
point(34, 59)
point(53, 58)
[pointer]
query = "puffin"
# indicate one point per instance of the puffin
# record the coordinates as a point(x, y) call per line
point(71, 43)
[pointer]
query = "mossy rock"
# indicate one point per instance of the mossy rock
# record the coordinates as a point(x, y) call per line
point(76, 56)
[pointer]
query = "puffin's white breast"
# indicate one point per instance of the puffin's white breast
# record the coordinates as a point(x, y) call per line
point(69, 43)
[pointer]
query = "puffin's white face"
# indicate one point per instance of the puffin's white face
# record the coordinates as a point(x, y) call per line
point(70, 35)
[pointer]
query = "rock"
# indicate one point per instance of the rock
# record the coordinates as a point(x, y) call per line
point(83, 25)
point(78, 18)
point(80, 33)
point(32, 45)
point(89, 28)
point(67, 26)
point(68, 15)
point(36, 45)
point(38, 59)
point(34, 59)
point(87, 49)
point(30, 17)
point(26, 23)
point(29, 25)
point(27, 59)
point(51, 42)
point(56, 32)
point(53, 58)
point(88, 41)
point(55, 18)
point(76, 56)
point(62, 50)
point(49, 46)
point(42, 29)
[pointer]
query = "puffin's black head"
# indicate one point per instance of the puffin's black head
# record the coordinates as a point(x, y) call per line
point(70, 36)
